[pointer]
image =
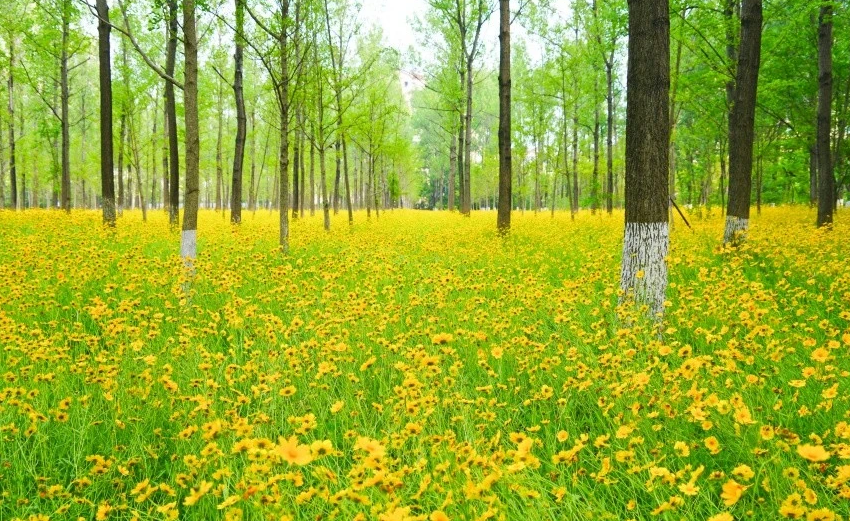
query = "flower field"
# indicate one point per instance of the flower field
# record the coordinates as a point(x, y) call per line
point(420, 367)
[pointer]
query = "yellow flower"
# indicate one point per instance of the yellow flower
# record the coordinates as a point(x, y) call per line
point(814, 453)
point(732, 492)
point(712, 445)
point(723, 516)
point(438, 515)
point(290, 451)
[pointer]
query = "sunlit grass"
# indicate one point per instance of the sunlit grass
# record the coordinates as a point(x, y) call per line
point(418, 366)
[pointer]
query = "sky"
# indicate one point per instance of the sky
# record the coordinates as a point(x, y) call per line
point(395, 17)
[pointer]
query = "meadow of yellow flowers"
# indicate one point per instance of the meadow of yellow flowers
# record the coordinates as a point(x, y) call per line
point(420, 367)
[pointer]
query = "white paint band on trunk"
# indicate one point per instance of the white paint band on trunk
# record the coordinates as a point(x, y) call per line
point(736, 230)
point(644, 274)
point(189, 244)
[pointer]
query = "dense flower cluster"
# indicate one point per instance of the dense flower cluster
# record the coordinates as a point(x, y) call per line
point(420, 367)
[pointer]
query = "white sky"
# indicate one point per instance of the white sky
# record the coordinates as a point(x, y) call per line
point(395, 17)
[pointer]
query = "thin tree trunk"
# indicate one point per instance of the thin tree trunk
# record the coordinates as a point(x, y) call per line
point(65, 96)
point(252, 191)
point(826, 177)
point(503, 218)
point(466, 204)
point(122, 138)
point(742, 130)
point(347, 183)
point(283, 100)
point(138, 164)
point(188, 243)
point(219, 174)
point(646, 243)
point(166, 191)
point(107, 175)
point(453, 160)
point(171, 112)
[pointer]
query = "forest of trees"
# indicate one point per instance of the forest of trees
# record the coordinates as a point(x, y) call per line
point(301, 105)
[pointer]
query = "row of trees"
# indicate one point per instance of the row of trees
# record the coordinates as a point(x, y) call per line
point(301, 86)
point(568, 105)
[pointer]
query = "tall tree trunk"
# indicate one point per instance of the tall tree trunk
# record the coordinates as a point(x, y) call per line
point(64, 97)
point(241, 119)
point(338, 173)
point(107, 175)
point(466, 204)
point(171, 112)
point(283, 100)
point(609, 185)
point(347, 183)
point(134, 144)
point(826, 177)
point(166, 191)
point(594, 184)
point(122, 138)
point(188, 243)
point(575, 161)
point(503, 219)
point(252, 190)
point(13, 176)
point(312, 173)
point(741, 130)
point(219, 168)
point(154, 144)
point(453, 168)
point(647, 236)
point(302, 167)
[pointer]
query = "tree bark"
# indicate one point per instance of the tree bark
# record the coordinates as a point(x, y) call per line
point(171, 112)
point(219, 168)
point(107, 175)
point(826, 177)
point(503, 218)
point(466, 203)
point(609, 189)
point(646, 243)
point(742, 118)
point(453, 168)
point(283, 100)
point(64, 98)
point(188, 244)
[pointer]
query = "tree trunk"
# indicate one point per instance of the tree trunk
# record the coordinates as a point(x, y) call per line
point(188, 243)
point(107, 175)
point(338, 173)
point(813, 175)
point(503, 218)
point(646, 243)
point(13, 177)
point(826, 177)
point(252, 189)
point(347, 183)
point(64, 97)
point(122, 138)
point(138, 167)
point(313, 176)
point(283, 100)
point(609, 189)
point(466, 203)
point(171, 112)
point(166, 191)
point(219, 174)
point(594, 183)
point(741, 130)
point(453, 168)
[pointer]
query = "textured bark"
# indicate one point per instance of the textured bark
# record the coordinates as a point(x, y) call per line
point(138, 168)
point(742, 120)
point(64, 98)
point(13, 176)
point(503, 219)
point(645, 247)
point(171, 112)
point(283, 101)
point(188, 248)
point(609, 138)
point(826, 177)
point(241, 118)
point(252, 189)
point(122, 139)
point(219, 168)
point(347, 182)
point(312, 179)
point(107, 176)
point(466, 203)
point(594, 181)
point(453, 159)
point(166, 192)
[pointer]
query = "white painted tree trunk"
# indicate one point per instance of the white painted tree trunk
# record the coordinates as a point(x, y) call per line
point(736, 230)
point(189, 245)
point(644, 275)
